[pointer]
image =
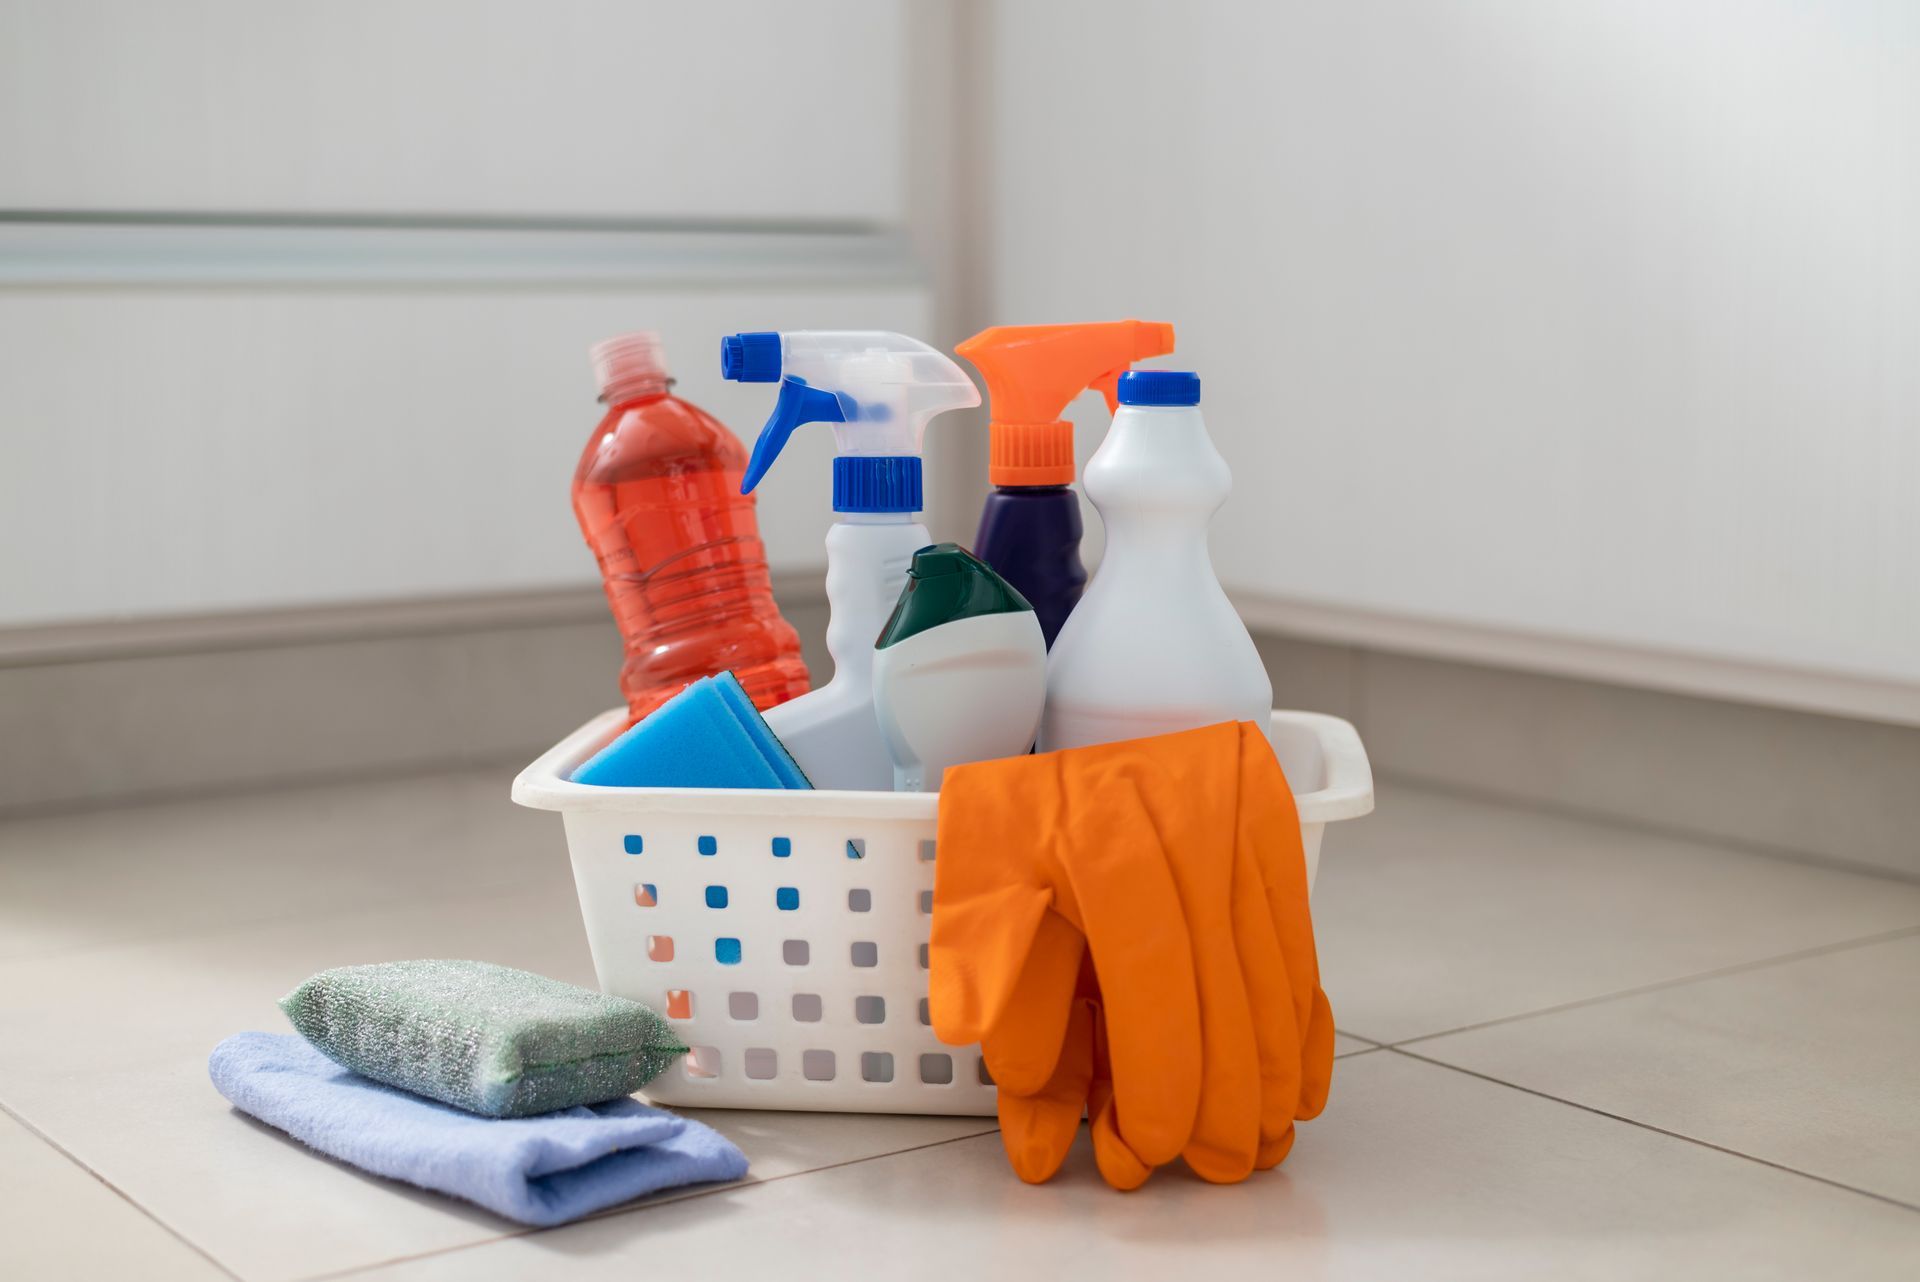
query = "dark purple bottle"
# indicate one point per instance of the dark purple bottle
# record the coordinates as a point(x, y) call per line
point(1030, 535)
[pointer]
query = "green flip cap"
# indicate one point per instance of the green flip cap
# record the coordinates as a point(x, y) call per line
point(947, 582)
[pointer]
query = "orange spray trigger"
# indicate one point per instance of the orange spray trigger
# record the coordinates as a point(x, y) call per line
point(1034, 371)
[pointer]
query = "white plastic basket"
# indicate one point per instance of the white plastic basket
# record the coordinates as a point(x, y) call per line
point(785, 933)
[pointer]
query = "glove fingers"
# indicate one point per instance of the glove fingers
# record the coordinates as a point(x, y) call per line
point(1120, 1166)
point(1270, 828)
point(1263, 968)
point(1037, 1130)
point(1274, 1151)
point(1316, 1060)
point(1226, 1125)
point(1024, 1047)
point(1130, 911)
point(988, 901)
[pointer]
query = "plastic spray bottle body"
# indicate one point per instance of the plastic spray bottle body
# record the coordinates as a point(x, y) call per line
point(1154, 645)
point(1030, 535)
point(1030, 526)
point(877, 391)
point(832, 732)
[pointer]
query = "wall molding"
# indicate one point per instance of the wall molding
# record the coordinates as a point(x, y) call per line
point(53, 250)
point(1697, 675)
point(104, 639)
point(1673, 672)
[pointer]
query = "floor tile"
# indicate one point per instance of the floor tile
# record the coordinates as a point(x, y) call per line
point(58, 1222)
point(1437, 912)
point(1414, 1171)
point(1814, 1064)
point(148, 872)
point(1344, 1045)
point(93, 1040)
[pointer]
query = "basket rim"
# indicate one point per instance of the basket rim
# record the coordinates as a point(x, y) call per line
point(1345, 791)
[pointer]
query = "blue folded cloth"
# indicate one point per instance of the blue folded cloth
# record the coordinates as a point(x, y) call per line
point(545, 1169)
point(708, 736)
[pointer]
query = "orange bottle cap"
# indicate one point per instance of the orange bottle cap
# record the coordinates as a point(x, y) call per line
point(1034, 371)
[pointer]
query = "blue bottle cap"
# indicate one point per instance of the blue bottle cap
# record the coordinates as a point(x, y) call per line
point(865, 483)
point(1159, 387)
point(752, 357)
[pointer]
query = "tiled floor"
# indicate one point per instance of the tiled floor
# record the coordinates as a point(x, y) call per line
point(1569, 1050)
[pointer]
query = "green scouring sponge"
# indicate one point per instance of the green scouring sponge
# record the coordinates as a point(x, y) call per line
point(485, 1038)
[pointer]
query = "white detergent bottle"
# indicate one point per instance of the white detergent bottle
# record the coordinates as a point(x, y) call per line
point(1154, 646)
point(877, 391)
point(960, 671)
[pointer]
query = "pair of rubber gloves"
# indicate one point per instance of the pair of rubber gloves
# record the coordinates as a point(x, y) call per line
point(1124, 930)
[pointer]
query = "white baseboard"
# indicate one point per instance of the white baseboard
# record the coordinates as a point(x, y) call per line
point(1704, 676)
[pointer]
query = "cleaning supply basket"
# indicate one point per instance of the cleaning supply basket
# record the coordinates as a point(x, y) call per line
point(784, 934)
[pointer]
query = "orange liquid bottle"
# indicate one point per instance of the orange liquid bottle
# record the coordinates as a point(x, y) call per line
point(658, 497)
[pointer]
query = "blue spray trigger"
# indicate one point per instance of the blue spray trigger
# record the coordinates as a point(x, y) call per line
point(798, 404)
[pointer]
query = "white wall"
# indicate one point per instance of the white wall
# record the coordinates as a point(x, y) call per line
point(180, 450)
point(295, 299)
point(1579, 329)
point(620, 108)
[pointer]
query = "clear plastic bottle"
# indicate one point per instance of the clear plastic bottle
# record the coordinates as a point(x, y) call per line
point(657, 494)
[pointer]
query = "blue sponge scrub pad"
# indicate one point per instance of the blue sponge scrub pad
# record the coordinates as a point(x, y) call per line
point(708, 736)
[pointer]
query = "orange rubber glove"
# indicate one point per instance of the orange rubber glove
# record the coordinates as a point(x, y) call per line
point(1171, 867)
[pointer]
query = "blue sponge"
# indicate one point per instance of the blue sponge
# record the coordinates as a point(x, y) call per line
point(708, 736)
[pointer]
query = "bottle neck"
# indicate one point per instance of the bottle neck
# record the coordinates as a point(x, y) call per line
point(645, 387)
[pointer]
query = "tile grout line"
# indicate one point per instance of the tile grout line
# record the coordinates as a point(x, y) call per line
point(1737, 968)
point(119, 1192)
point(616, 1212)
point(1657, 1130)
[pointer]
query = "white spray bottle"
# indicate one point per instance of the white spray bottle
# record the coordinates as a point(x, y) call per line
point(1154, 646)
point(877, 391)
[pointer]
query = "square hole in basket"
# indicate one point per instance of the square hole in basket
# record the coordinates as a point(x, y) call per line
point(926, 851)
point(703, 1061)
point(926, 902)
point(923, 958)
point(794, 952)
point(806, 1008)
point(726, 950)
point(926, 1013)
point(760, 1063)
point(816, 1066)
point(986, 1078)
point(865, 953)
point(708, 846)
point(716, 896)
point(743, 1005)
point(936, 1069)
point(645, 895)
point(782, 848)
point(876, 1066)
point(660, 948)
point(860, 901)
point(870, 1010)
point(786, 898)
point(679, 1003)
point(632, 843)
point(856, 847)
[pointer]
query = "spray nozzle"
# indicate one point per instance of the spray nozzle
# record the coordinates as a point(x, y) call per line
point(877, 390)
point(750, 358)
point(1034, 371)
